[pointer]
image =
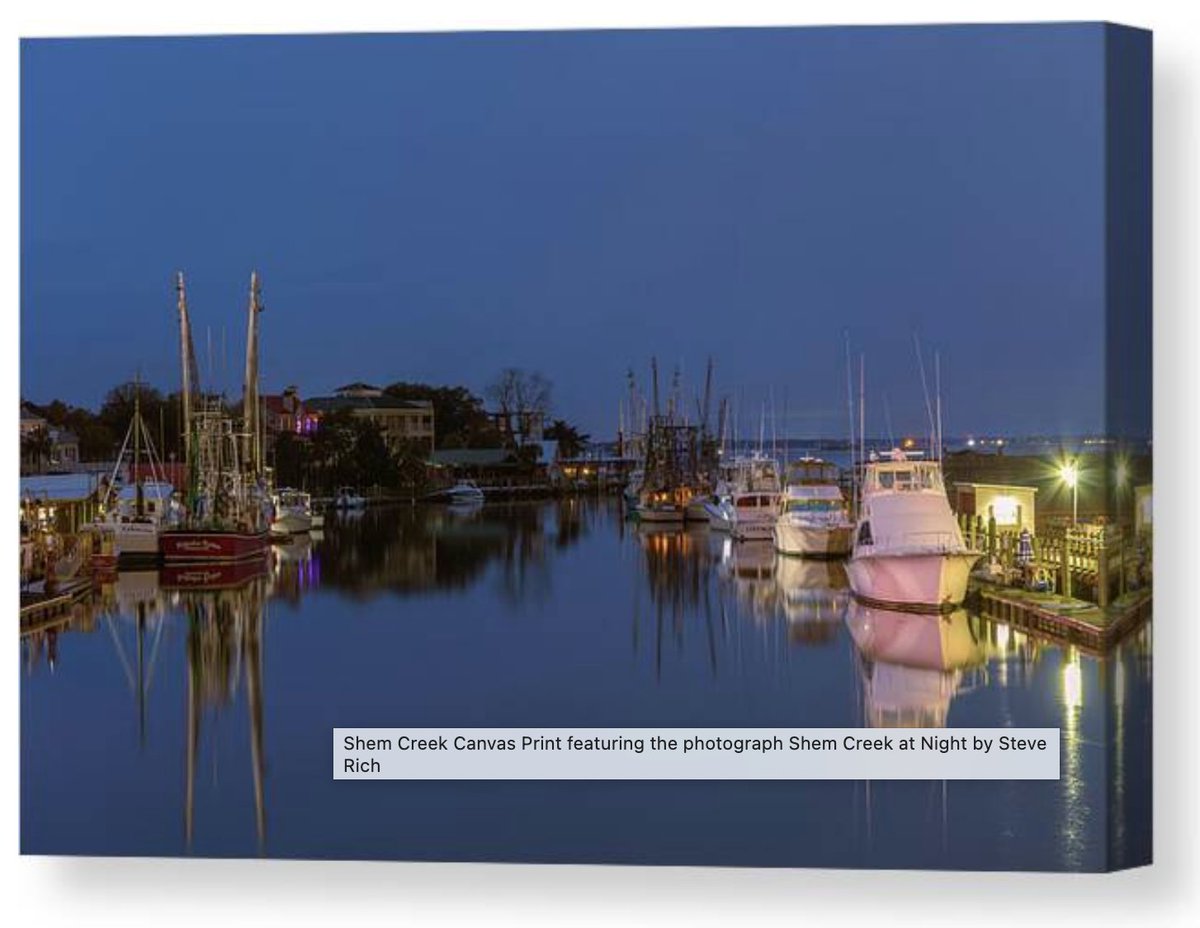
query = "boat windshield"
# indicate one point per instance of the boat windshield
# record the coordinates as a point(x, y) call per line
point(813, 505)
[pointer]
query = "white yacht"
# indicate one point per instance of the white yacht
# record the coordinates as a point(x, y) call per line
point(293, 512)
point(465, 491)
point(813, 520)
point(747, 508)
point(908, 550)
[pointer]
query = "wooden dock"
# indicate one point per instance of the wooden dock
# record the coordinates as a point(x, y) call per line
point(41, 609)
point(1096, 628)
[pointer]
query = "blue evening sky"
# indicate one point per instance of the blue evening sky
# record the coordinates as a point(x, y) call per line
point(438, 207)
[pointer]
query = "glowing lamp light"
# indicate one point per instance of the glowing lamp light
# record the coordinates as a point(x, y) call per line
point(1069, 474)
point(1122, 473)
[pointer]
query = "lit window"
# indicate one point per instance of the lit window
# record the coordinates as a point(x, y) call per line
point(1006, 509)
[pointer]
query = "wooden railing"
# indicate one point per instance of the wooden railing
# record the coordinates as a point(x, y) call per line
point(1091, 562)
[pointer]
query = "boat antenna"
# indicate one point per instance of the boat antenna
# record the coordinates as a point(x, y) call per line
point(862, 408)
point(774, 425)
point(887, 416)
point(924, 388)
point(654, 378)
point(704, 409)
point(786, 448)
point(139, 503)
point(937, 380)
point(850, 416)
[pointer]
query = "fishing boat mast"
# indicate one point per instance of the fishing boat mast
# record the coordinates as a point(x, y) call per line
point(252, 449)
point(191, 378)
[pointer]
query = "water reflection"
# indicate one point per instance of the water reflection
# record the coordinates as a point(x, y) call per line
point(224, 655)
point(911, 664)
point(551, 614)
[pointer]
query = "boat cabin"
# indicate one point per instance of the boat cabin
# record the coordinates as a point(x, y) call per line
point(902, 475)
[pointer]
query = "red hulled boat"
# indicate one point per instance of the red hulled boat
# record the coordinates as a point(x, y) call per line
point(194, 545)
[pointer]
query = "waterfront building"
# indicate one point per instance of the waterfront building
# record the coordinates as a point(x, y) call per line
point(1013, 507)
point(63, 503)
point(286, 412)
point(402, 422)
point(46, 448)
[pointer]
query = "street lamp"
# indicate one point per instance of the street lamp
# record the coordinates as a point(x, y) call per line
point(1070, 476)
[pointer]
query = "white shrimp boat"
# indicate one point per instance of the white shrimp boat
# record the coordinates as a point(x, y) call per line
point(813, 520)
point(663, 506)
point(293, 512)
point(908, 550)
point(134, 511)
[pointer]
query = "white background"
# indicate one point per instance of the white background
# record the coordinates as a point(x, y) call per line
point(80, 892)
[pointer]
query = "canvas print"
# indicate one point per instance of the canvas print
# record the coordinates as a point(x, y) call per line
point(588, 384)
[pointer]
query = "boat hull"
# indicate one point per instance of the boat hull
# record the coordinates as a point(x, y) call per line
point(136, 541)
point(930, 582)
point(753, 524)
point(822, 541)
point(208, 546)
point(697, 511)
point(672, 514)
point(292, 523)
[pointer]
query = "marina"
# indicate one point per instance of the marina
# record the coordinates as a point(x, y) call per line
point(519, 379)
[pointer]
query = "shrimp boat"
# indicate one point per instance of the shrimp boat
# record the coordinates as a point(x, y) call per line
point(908, 550)
point(227, 508)
point(134, 509)
point(813, 520)
point(668, 504)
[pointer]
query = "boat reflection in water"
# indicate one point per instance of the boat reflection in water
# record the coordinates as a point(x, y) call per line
point(813, 595)
point(225, 661)
point(563, 613)
point(912, 664)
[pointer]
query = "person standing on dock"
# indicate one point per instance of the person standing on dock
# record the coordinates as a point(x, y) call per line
point(1025, 557)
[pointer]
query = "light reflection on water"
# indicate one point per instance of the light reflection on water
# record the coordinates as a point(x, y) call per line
point(199, 721)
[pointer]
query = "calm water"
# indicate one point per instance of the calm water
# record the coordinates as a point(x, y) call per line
point(165, 722)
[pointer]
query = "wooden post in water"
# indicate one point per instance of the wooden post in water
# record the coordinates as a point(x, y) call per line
point(1102, 574)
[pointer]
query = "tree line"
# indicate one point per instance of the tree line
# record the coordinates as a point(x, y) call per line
point(345, 450)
